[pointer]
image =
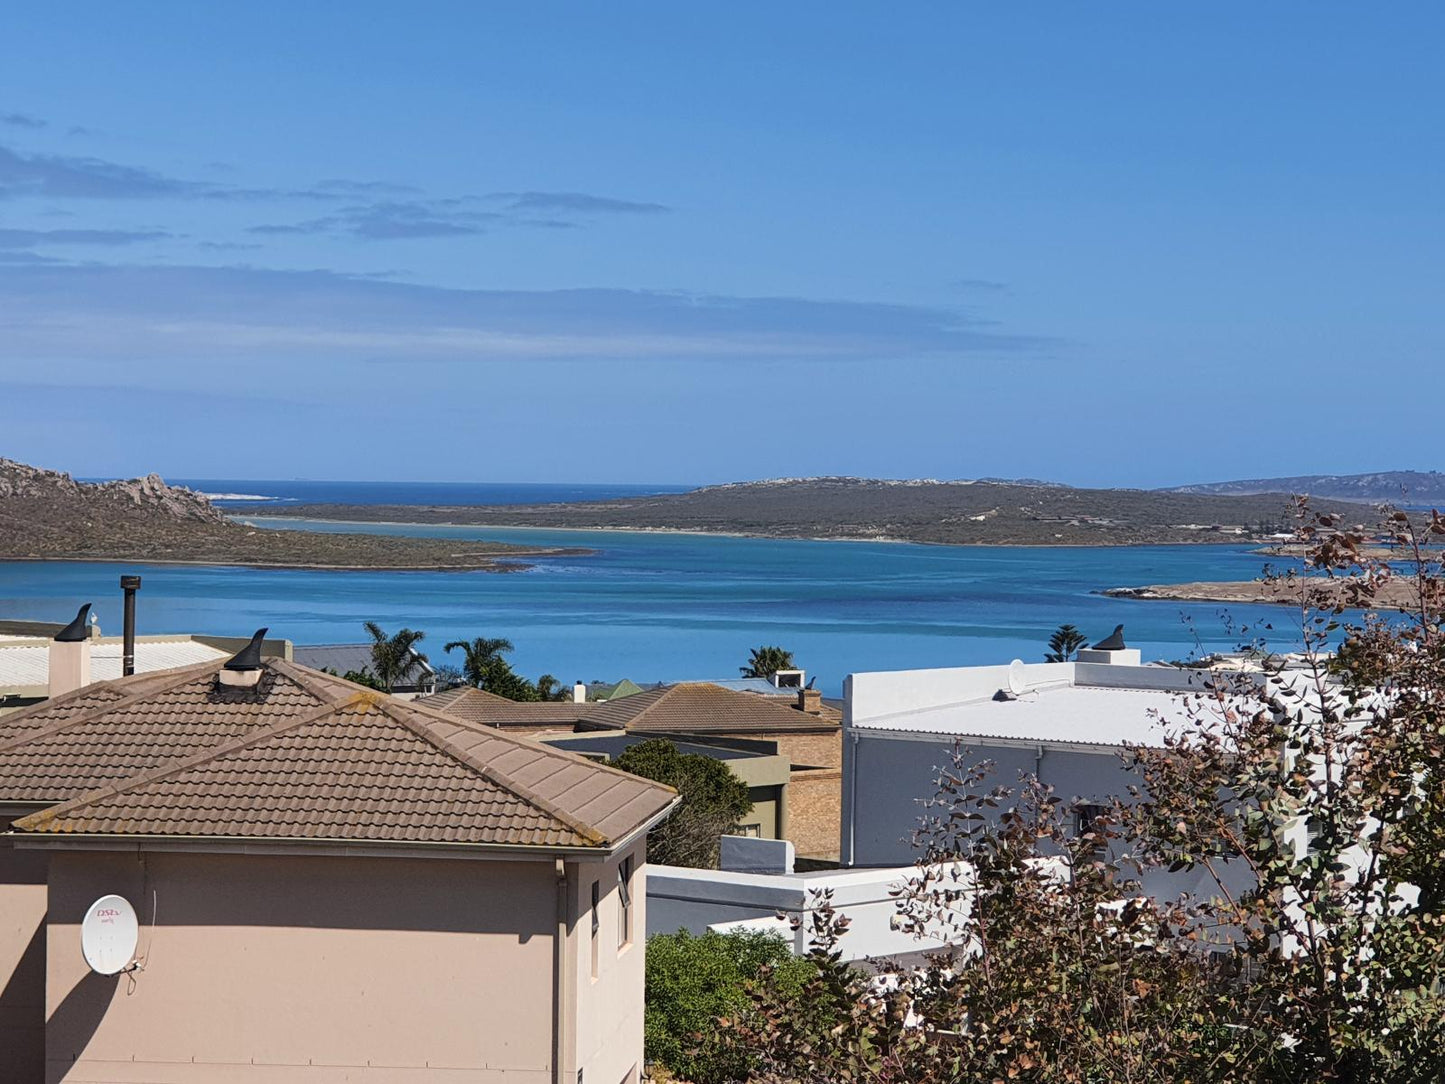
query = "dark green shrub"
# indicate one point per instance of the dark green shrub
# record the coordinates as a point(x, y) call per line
point(694, 980)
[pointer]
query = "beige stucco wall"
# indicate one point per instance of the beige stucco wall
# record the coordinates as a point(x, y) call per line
point(22, 964)
point(764, 814)
point(607, 1041)
point(267, 969)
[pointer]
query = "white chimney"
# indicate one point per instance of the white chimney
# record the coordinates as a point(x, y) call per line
point(70, 656)
point(579, 693)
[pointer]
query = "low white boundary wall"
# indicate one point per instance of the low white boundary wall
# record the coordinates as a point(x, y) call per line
point(699, 899)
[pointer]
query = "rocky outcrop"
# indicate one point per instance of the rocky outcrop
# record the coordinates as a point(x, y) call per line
point(148, 496)
point(46, 515)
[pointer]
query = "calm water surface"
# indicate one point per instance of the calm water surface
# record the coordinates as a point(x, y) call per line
point(673, 606)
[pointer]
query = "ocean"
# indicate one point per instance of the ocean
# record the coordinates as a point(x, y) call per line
point(667, 607)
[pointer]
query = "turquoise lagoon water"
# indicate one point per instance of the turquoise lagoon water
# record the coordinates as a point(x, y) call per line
point(654, 606)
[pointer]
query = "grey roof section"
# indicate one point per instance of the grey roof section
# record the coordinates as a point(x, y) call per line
point(340, 657)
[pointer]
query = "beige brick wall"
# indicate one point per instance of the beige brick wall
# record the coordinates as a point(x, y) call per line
point(815, 805)
point(809, 750)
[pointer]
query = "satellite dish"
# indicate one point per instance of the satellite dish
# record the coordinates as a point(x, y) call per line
point(108, 935)
point(1017, 684)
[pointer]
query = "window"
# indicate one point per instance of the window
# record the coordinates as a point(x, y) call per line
point(752, 831)
point(1090, 817)
point(624, 898)
point(596, 924)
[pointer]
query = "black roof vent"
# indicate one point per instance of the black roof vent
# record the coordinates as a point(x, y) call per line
point(77, 630)
point(1113, 642)
point(249, 657)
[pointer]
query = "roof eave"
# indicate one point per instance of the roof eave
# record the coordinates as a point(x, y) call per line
point(101, 841)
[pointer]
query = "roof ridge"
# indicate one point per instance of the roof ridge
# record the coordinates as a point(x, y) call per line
point(490, 771)
point(306, 676)
point(186, 673)
point(195, 760)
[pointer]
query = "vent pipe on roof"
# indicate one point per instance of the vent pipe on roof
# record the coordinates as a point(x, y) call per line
point(579, 693)
point(70, 655)
point(1111, 649)
point(243, 669)
point(130, 585)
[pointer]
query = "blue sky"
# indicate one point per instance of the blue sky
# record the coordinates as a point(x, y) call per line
point(1133, 244)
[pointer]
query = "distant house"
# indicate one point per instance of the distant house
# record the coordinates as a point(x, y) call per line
point(599, 691)
point(331, 883)
point(801, 727)
point(345, 659)
point(518, 716)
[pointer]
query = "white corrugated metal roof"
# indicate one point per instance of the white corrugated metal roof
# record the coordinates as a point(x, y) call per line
point(26, 665)
point(1069, 714)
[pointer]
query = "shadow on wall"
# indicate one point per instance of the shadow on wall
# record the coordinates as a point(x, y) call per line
point(79, 1016)
point(22, 1014)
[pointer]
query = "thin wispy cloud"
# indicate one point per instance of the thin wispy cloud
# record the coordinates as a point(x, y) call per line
point(75, 177)
point(97, 312)
point(10, 238)
point(454, 216)
point(21, 120)
point(388, 220)
point(577, 202)
point(26, 257)
point(356, 188)
point(55, 176)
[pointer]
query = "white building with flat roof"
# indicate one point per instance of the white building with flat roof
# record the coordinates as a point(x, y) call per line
point(1065, 723)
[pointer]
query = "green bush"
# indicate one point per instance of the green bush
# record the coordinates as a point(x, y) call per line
point(692, 981)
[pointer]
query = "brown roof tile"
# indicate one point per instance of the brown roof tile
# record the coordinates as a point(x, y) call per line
point(701, 707)
point(691, 707)
point(307, 756)
point(489, 709)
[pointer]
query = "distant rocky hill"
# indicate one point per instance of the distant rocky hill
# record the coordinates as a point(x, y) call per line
point(979, 513)
point(1417, 487)
point(47, 515)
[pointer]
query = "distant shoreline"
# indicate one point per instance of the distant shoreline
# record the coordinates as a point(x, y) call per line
point(742, 534)
point(494, 564)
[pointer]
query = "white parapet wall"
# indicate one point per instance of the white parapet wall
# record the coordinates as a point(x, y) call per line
point(697, 900)
point(888, 694)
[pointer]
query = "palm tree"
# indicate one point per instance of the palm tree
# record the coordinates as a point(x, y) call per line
point(394, 658)
point(480, 656)
point(764, 662)
point(548, 688)
point(1064, 642)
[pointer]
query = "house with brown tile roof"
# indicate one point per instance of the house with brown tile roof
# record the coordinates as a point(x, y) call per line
point(803, 730)
point(331, 884)
point(518, 716)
